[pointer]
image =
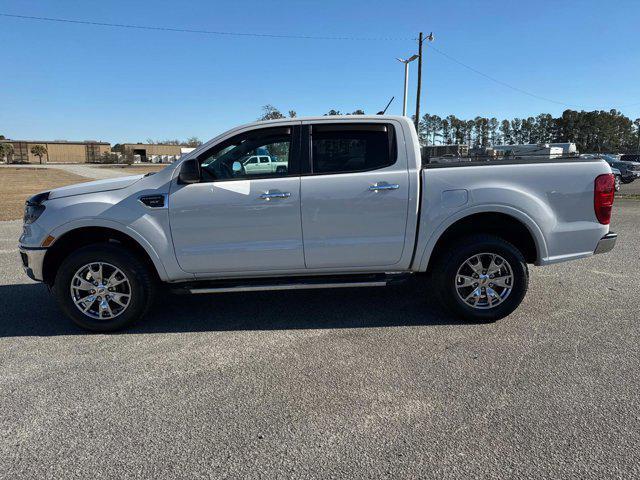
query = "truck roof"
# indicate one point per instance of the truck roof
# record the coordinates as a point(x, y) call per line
point(341, 118)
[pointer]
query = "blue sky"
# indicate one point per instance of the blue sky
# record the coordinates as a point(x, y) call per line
point(76, 82)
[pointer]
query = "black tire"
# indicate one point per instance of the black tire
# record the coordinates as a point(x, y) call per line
point(616, 184)
point(142, 285)
point(445, 271)
point(627, 180)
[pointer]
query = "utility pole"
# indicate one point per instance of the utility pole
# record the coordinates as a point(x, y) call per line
point(417, 119)
point(420, 40)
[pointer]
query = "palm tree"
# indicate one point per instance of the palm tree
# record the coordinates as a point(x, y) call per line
point(6, 150)
point(39, 151)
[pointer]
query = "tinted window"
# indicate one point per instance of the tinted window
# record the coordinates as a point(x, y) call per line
point(345, 148)
point(238, 156)
point(264, 159)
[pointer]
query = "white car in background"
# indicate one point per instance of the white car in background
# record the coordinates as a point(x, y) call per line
point(261, 164)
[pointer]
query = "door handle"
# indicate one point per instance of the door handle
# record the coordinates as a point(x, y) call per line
point(383, 186)
point(269, 195)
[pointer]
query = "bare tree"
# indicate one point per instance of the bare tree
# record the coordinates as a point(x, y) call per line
point(269, 112)
point(192, 142)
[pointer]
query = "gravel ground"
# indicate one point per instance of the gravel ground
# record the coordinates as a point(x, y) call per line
point(82, 169)
point(366, 383)
point(91, 171)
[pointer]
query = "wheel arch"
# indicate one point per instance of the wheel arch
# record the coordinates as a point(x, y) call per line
point(78, 237)
point(505, 222)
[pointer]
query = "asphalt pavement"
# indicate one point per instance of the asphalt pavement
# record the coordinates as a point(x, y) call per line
point(363, 383)
point(632, 188)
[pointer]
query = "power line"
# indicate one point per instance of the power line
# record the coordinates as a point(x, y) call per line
point(205, 32)
point(300, 37)
point(512, 87)
point(500, 82)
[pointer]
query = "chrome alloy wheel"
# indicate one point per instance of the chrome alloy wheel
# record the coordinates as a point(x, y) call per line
point(484, 280)
point(100, 290)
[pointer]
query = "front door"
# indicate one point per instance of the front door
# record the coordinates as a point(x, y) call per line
point(356, 198)
point(238, 219)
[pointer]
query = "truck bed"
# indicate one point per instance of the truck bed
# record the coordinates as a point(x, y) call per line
point(552, 198)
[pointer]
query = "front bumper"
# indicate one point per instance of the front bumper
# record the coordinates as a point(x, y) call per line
point(606, 243)
point(33, 261)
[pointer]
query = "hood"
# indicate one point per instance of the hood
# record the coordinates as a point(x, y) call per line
point(94, 187)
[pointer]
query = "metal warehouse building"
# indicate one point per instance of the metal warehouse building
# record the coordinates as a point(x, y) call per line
point(58, 151)
point(146, 150)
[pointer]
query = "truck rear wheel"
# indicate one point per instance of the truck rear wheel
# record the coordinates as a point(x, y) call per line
point(482, 278)
point(103, 287)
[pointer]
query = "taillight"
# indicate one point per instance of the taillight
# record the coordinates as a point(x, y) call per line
point(603, 193)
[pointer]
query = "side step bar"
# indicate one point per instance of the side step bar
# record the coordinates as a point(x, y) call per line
point(290, 286)
point(291, 283)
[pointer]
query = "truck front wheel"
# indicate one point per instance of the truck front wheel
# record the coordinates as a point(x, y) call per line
point(103, 287)
point(482, 278)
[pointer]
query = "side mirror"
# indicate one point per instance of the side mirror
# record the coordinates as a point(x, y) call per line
point(236, 167)
point(189, 172)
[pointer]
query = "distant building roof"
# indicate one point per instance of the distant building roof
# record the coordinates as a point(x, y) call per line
point(148, 144)
point(63, 142)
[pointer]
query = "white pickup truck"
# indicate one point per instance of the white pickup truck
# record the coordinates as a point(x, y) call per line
point(261, 164)
point(353, 208)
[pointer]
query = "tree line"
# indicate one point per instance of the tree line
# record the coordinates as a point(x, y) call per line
point(189, 142)
point(596, 131)
point(269, 112)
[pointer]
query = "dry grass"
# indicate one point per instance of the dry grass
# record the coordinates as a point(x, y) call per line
point(17, 184)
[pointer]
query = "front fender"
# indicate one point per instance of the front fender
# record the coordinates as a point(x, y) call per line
point(125, 229)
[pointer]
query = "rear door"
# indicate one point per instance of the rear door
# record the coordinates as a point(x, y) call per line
point(355, 195)
point(237, 219)
point(265, 165)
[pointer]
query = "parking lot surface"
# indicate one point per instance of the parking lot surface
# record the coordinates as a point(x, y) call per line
point(632, 188)
point(365, 383)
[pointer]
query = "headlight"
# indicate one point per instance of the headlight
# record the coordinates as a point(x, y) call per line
point(32, 212)
point(33, 207)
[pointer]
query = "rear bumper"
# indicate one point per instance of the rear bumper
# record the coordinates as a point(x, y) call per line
point(606, 243)
point(33, 261)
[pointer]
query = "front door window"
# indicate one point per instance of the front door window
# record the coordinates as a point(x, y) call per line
point(263, 153)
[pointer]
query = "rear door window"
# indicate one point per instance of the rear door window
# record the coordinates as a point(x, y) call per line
point(343, 148)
